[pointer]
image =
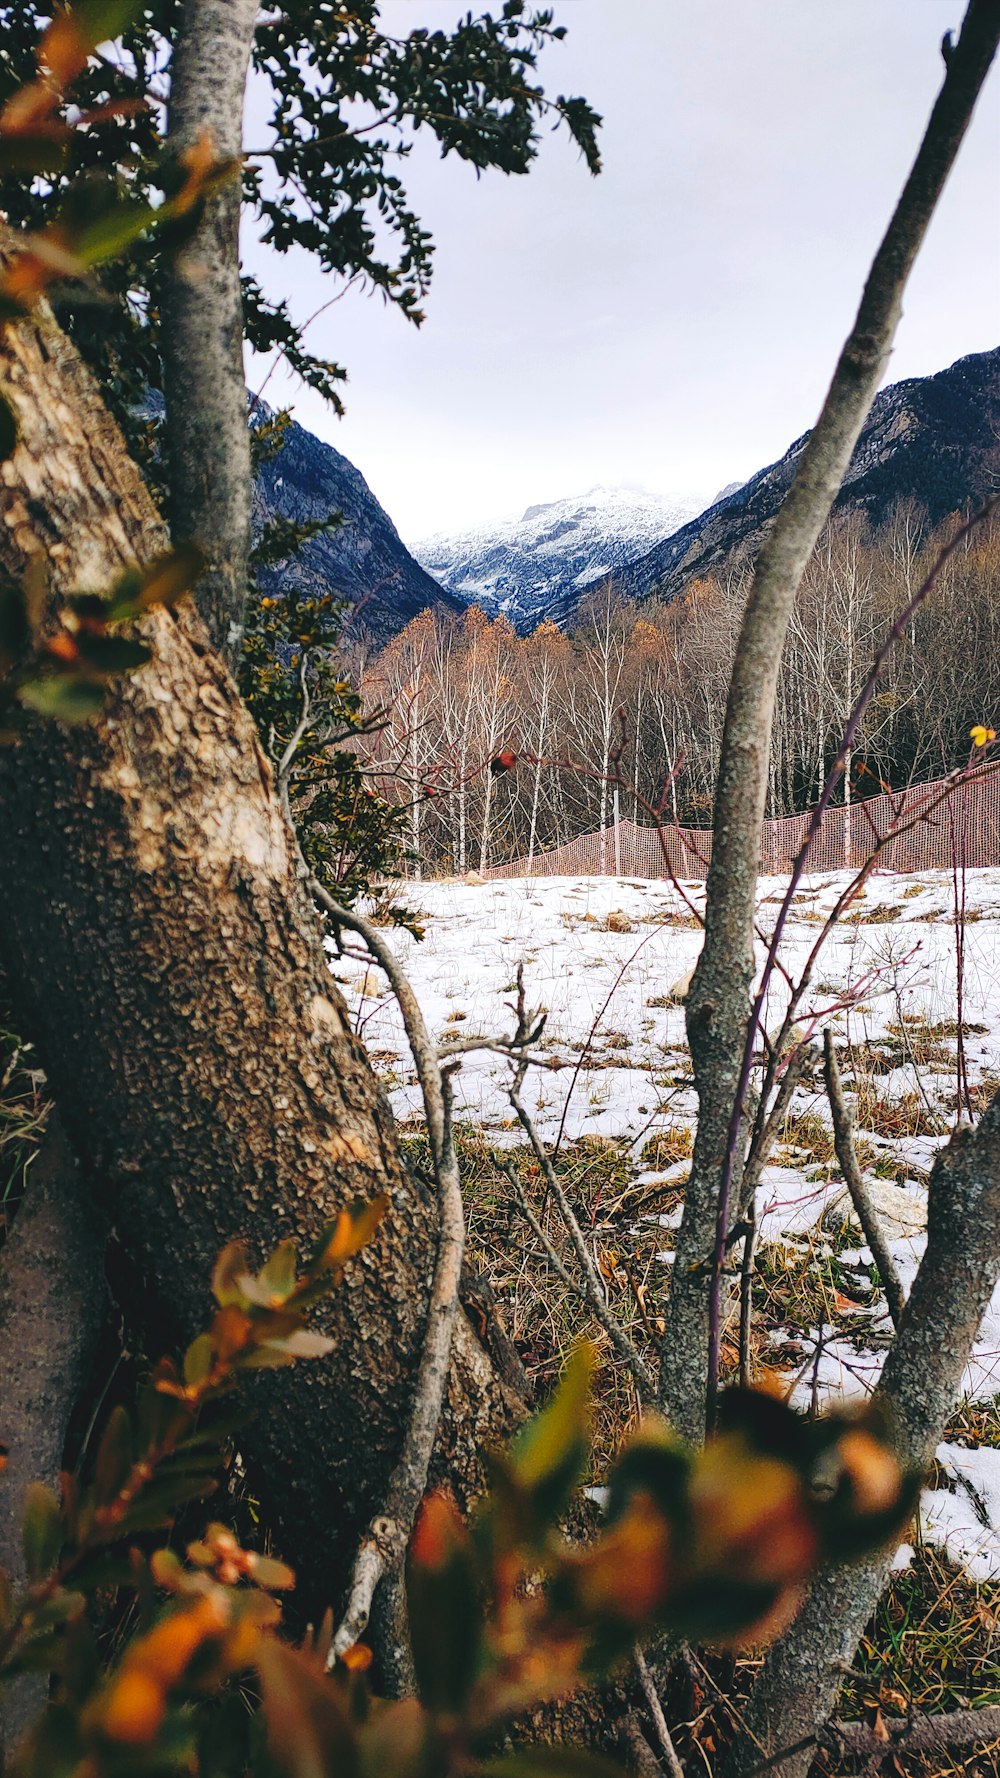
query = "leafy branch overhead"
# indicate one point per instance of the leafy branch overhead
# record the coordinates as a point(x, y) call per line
point(346, 102)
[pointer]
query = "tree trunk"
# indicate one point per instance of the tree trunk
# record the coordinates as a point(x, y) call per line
point(201, 308)
point(797, 1687)
point(166, 959)
point(51, 1290)
point(718, 1004)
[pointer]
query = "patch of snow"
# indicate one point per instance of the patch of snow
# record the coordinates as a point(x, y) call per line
point(965, 1522)
point(627, 1075)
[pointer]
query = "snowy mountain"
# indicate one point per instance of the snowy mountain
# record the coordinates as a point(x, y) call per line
point(535, 565)
point(931, 440)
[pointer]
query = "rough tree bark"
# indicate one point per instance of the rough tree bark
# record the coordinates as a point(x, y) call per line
point(51, 1288)
point(718, 1001)
point(165, 956)
point(201, 312)
point(797, 1688)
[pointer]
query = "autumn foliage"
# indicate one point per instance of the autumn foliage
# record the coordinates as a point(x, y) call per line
point(505, 1612)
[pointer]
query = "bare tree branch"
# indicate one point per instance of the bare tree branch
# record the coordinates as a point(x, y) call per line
point(797, 1687)
point(649, 1691)
point(843, 1136)
point(921, 1734)
point(642, 1761)
point(718, 1002)
point(591, 1290)
point(383, 1547)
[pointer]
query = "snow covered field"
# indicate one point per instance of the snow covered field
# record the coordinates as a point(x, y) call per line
point(604, 956)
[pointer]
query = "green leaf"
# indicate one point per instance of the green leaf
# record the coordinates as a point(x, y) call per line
point(114, 1457)
point(159, 1418)
point(198, 1360)
point(654, 1461)
point(41, 1530)
point(8, 428)
point(112, 233)
point(161, 582)
point(99, 21)
point(112, 654)
point(60, 1609)
point(269, 1572)
point(166, 1568)
point(353, 1229)
point(304, 1343)
point(31, 154)
point(548, 1457)
point(159, 1505)
point(67, 698)
point(277, 1278)
point(230, 1267)
point(286, 1350)
point(309, 1731)
point(549, 1762)
point(445, 1611)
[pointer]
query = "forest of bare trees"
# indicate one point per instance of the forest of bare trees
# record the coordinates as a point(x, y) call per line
point(622, 714)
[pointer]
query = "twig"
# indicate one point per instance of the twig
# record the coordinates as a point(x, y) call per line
point(746, 1290)
point(463, 1046)
point(302, 726)
point(919, 1734)
point(843, 1136)
point(562, 1272)
point(729, 1168)
point(592, 1290)
point(384, 1544)
point(651, 1696)
point(764, 1139)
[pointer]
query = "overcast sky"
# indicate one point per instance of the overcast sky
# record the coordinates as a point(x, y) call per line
point(674, 322)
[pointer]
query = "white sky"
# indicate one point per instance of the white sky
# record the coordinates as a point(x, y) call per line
point(674, 322)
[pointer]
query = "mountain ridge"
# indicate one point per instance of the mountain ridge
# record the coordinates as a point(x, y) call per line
point(934, 440)
point(364, 560)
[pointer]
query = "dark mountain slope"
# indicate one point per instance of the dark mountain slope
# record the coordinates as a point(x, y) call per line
point(935, 440)
point(364, 560)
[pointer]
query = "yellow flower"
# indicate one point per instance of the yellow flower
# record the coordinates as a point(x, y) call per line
point(979, 734)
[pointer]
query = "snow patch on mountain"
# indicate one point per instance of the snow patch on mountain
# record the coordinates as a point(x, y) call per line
point(530, 568)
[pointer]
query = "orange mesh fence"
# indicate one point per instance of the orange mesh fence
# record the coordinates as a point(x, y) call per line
point(927, 827)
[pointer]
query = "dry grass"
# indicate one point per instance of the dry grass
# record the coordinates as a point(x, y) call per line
point(24, 1108)
point(933, 1645)
point(985, 1092)
point(895, 1118)
point(617, 921)
point(668, 1146)
point(882, 914)
point(539, 1315)
point(804, 1132)
point(975, 1423)
point(804, 1287)
point(898, 1048)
